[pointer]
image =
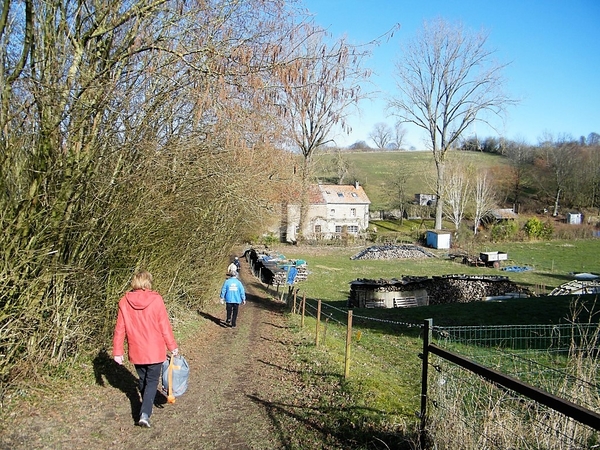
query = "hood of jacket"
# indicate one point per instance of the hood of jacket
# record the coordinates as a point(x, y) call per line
point(140, 299)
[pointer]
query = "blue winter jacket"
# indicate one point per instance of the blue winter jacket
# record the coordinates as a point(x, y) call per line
point(233, 291)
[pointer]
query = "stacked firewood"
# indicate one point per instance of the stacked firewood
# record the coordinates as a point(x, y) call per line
point(448, 288)
point(280, 276)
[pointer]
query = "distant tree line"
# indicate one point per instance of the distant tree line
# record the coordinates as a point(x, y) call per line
point(565, 171)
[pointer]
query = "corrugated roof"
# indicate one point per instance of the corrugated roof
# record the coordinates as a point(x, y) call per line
point(503, 213)
point(346, 194)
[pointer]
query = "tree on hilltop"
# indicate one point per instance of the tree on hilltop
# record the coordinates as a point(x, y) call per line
point(447, 80)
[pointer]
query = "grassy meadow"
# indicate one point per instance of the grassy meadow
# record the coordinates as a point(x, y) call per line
point(384, 381)
point(552, 263)
point(377, 170)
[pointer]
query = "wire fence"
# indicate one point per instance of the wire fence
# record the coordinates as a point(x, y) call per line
point(465, 410)
point(558, 338)
point(561, 360)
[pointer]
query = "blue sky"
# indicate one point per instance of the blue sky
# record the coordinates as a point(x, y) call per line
point(553, 47)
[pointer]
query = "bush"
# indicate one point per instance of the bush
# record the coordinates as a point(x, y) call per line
point(536, 229)
point(504, 230)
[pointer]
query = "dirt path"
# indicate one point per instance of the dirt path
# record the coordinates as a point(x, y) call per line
point(236, 378)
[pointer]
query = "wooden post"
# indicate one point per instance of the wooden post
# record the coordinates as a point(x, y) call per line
point(348, 345)
point(303, 310)
point(318, 323)
point(294, 303)
point(428, 325)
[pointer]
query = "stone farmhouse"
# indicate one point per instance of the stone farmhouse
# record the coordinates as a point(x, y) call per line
point(334, 211)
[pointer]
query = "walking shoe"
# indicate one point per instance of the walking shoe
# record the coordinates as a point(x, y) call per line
point(144, 421)
point(228, 322)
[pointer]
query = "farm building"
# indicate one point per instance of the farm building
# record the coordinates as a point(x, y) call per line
point(425, 199)
point(574, 218)
point(501, 215)
point(387, 294)
point(334, 211)
point(438, 239)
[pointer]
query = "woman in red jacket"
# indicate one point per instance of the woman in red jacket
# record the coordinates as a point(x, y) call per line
point(144, 322)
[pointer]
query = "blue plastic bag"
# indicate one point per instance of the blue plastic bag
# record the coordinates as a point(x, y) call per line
point(181, 371)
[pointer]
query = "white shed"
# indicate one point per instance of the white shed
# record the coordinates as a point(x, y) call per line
point(438, 239)
point(574, 218)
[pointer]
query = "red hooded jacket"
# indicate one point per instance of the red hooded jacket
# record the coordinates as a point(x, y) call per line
point(144, 322)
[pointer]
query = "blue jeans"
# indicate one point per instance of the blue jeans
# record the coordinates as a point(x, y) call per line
point(232, 312)
point(149, 376)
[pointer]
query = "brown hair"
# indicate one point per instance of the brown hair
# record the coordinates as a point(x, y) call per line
point(142, 280)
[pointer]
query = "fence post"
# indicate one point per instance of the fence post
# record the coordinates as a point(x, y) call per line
point(303, 310)
point(318, 323)
point(294, 307)
point(428, 324)
point(348, 342)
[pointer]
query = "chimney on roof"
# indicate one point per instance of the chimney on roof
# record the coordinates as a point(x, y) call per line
point(356, 185)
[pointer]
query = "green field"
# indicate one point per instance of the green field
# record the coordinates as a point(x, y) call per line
point(377, 171)
point(385, 370)
point(552, 264)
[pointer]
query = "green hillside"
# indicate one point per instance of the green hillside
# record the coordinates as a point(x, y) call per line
point(378, 170)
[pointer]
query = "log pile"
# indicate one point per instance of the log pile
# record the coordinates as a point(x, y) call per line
point(443, 289)
point(464, 288)
point(280, 276)
point(393, 252)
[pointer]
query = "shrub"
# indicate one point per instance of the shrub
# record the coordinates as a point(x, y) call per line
point(504, 230)
point(536, 229)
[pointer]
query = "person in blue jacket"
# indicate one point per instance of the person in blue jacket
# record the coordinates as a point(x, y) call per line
point(232, 294)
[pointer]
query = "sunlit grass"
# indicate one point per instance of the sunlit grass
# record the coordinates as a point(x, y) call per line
point(385, 368)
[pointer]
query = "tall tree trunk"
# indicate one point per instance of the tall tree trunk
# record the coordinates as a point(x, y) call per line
point(555, 212)
point(439, 204)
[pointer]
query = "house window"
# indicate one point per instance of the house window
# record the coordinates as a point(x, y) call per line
point(338, 228)
point(332, 212)
point(352, 212)
point(340, 194)
point(317, 228)
point(353, 229)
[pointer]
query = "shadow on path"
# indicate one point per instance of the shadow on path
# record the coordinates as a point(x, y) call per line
point(118, 377)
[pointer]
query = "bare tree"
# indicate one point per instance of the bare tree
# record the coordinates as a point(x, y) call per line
point(381, 135)
point(134, 128)
point(520, 155)
point(593, 139)
point(456, 192)
point(558, 159)
point(483, 198)
point(399, 135)
point(340, 165)
point(321, 86)
point(447, 81)
point(397, 192)
point(318, 90)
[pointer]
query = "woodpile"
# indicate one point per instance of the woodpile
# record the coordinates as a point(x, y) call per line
point(442, 289)
point(468, 288)
point(279, 276)
point(403, 251)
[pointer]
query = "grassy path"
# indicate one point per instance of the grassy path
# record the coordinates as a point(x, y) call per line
point(236, 376)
